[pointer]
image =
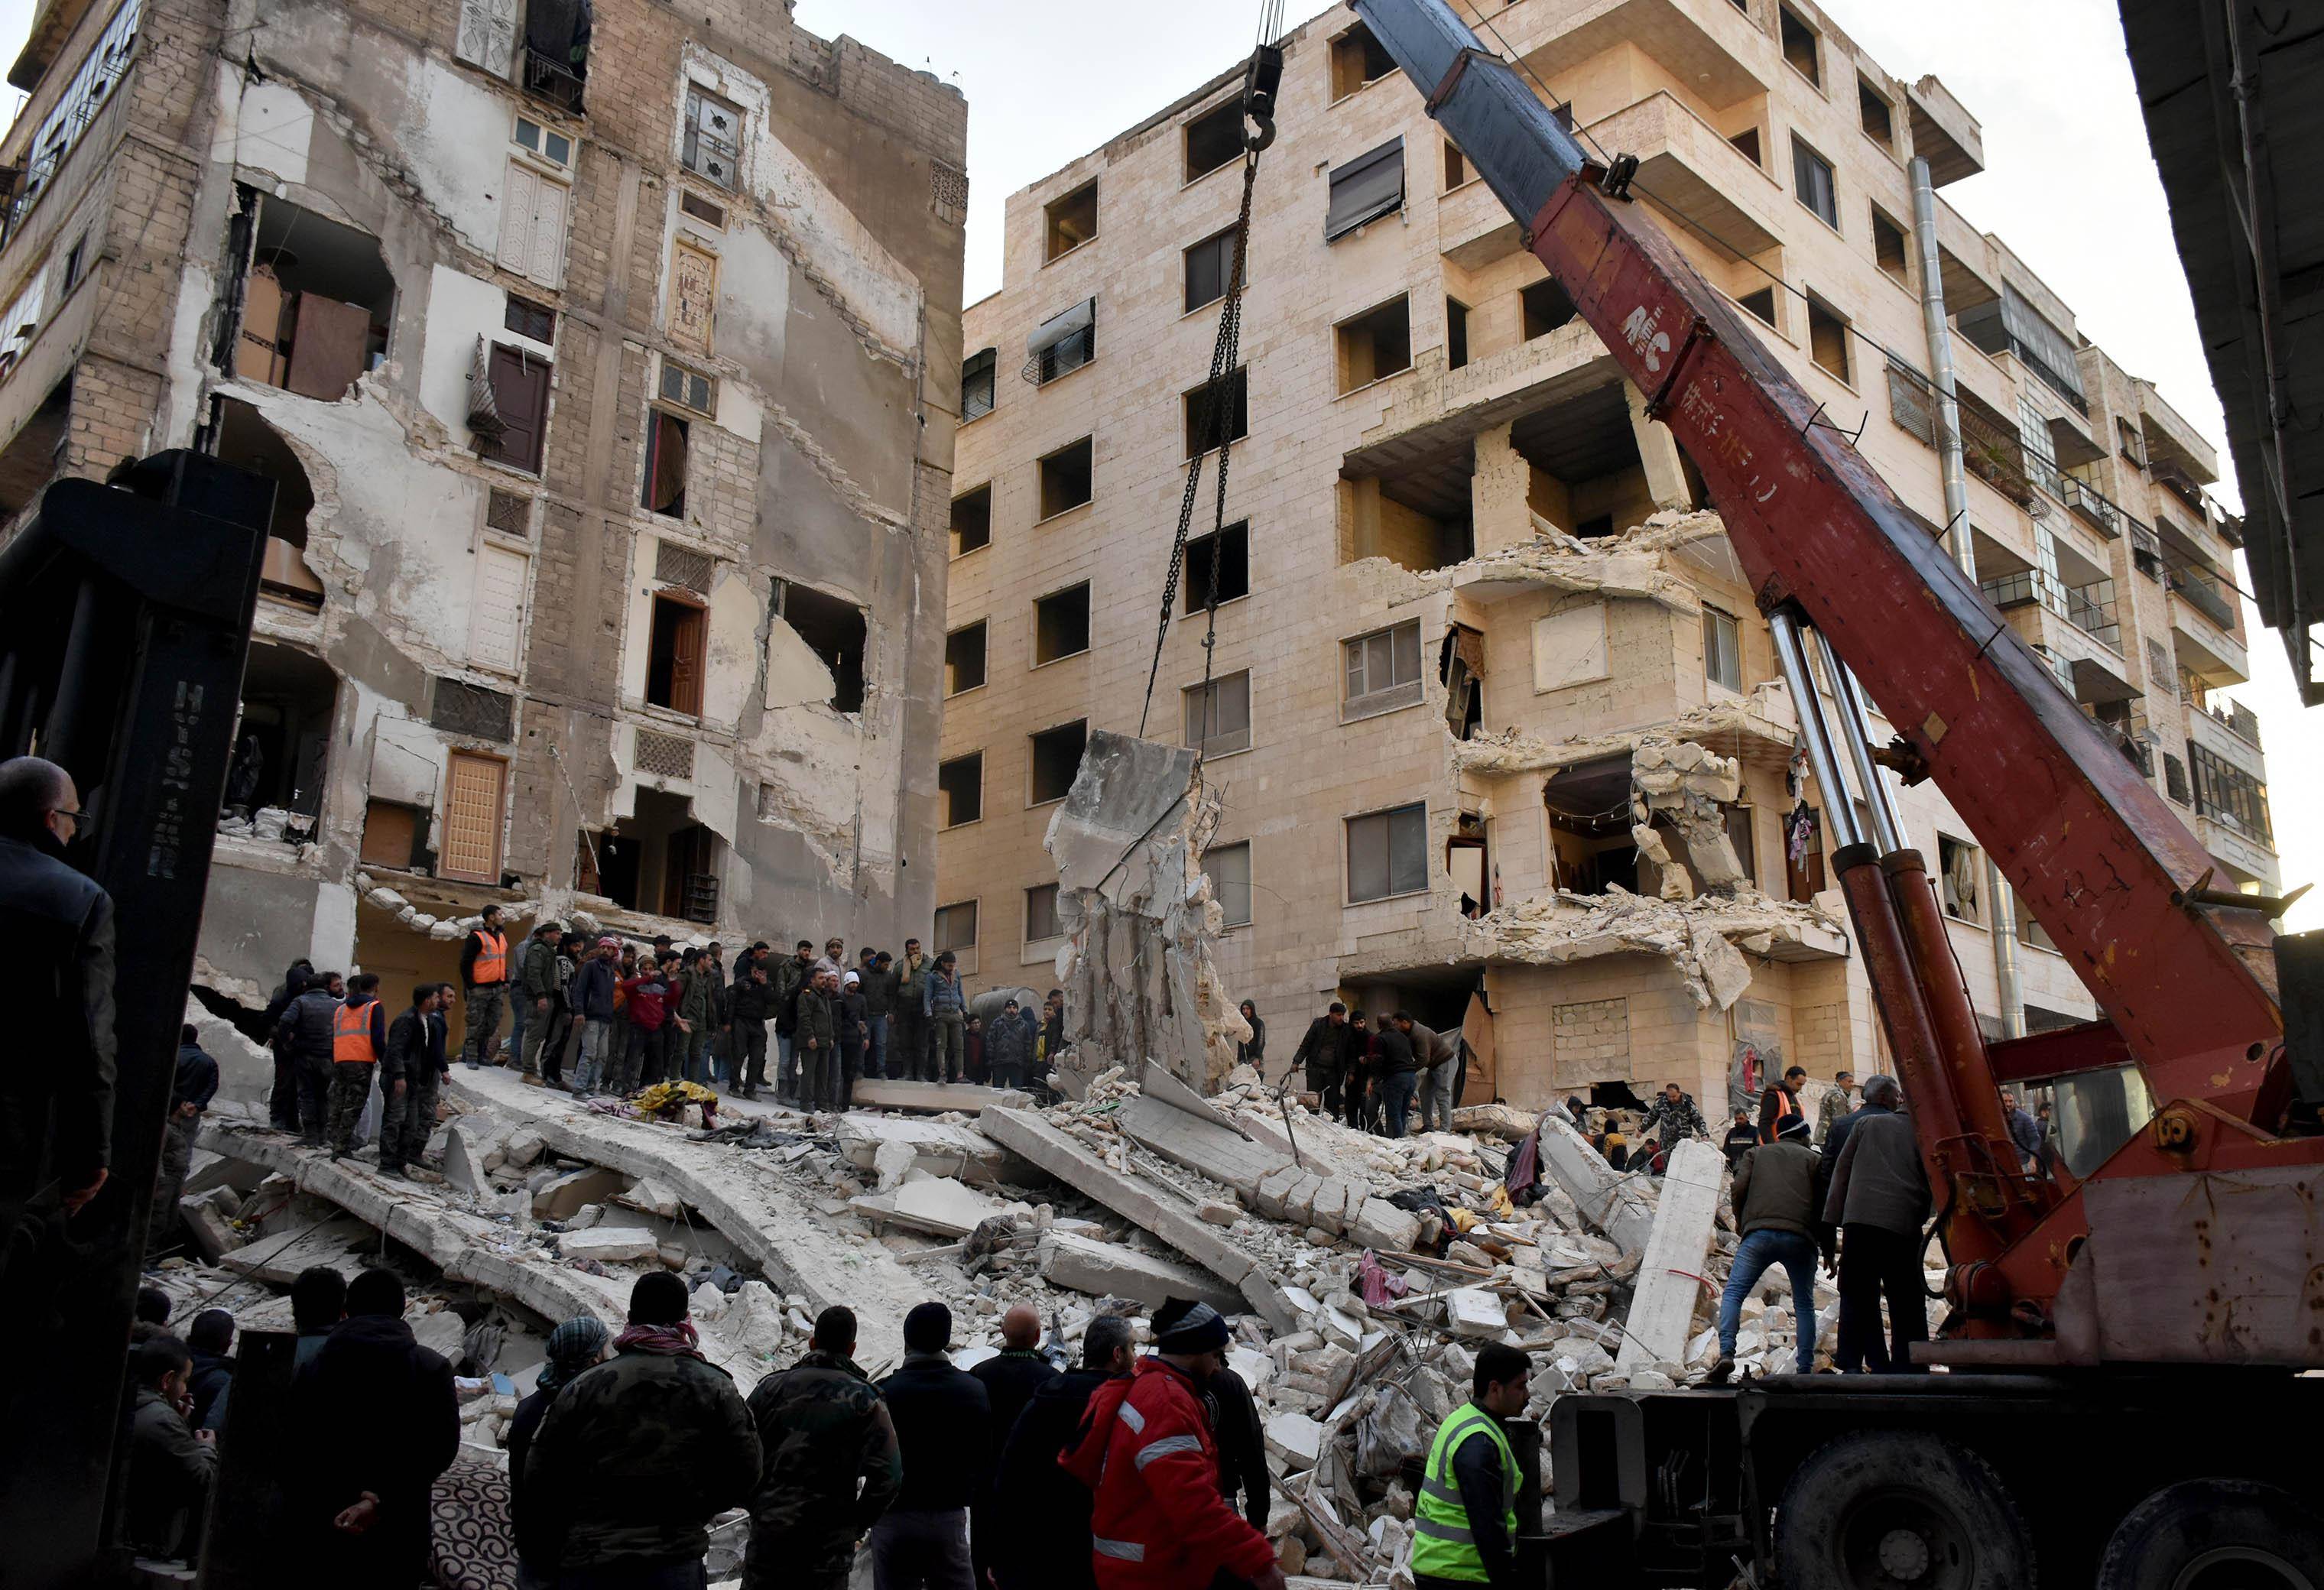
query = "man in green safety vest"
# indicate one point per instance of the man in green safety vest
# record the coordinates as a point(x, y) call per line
point(1464, 1523)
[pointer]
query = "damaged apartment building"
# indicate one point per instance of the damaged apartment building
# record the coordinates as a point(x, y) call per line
point(1491, 711)
point(604, 358)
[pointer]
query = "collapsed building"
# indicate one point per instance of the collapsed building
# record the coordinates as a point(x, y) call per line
point(604, 359)
point(1360, 1274)
point(1489, 682)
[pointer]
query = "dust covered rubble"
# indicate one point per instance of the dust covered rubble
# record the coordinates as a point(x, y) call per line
point(1383, 1295)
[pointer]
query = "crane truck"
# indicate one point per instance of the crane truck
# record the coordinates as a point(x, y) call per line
point(2121, 1396)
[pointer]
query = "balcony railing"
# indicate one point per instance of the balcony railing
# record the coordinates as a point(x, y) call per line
point(552, 80)
point(2201, 591)
point(2024, 589)
point(2238, 720)
point(2091, 505)
point(2094, 616)
point(1992, 452)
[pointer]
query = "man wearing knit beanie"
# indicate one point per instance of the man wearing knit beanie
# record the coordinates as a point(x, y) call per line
point(944, 1429)
point(1147, 1454)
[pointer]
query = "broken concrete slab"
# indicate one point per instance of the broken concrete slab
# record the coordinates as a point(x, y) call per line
point(941, 1148)
point(206, 1216)
point(1607, 1199)
point(1140, 982)
point(932, 1097)
point(1297, 1440)
point(464, 1148)
point(1500, 1120)
point(748, 1202)
point(563, 1198)
point(1157, 1082)
point(1143, 1205)
point(1206, 1147)
point(1108, 1270)
point(279, 1259)
point(1662, 1309)
point(652, 1198)
point(1473, 1311)
point(609, 1244)
point(936, 1205)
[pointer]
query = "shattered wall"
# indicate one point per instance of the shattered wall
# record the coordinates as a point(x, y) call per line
point(1140, 977)
point(391, 146)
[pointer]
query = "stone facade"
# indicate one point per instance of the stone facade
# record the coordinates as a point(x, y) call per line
point(1439, 457)
point(708, 269)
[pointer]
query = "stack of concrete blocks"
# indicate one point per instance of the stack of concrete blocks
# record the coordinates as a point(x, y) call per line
point(1688, 787)
point(1140, 983)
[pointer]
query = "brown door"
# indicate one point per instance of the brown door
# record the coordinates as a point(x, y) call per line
point(473, 790)
point(685, 659)
point(521, 392)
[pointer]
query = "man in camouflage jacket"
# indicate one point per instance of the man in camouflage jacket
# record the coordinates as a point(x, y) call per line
point(1677, 1116)
point(636, 1456)
point(822, 1427)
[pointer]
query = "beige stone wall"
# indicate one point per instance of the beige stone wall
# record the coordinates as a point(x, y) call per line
point(1301, 481)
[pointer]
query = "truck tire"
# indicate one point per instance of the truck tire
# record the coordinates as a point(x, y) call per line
point(2214, 1534)
point(1900, 1509)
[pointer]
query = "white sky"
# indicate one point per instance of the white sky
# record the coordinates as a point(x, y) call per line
point(2071, 188)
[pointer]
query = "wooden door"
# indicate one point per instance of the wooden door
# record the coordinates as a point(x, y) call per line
point(474, 786)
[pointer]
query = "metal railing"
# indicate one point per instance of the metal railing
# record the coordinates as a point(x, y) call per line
point(2238, 719)
point(2094, 616)
point(546, 78)
point(1990, 451)
point(2091, 504)
point(2026, 588)
point(2201, 591)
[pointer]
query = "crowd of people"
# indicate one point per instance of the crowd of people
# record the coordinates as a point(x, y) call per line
point(1378, 1076)
point(1023, 1473)
point(606, 1017)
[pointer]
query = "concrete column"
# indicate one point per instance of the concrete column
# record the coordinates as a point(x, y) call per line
point(1496, 494)
point(1658, 451)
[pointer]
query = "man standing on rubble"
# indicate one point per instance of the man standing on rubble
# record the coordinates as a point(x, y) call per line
point(305, 1031)
point(484, 974)
point(1322, 1056)
point(1006, 1050)
point(195, 1084)
point(876, 980)
point(698, 987)
point(1776, 1213)
point(823, 1428)
point(1438, 1057)
point(1159, 1520)
point(1780, 1102)
point(815, 1044)
point(947, 1010)
point(358, 1041)
point(537, 992)
point(749, 1005)
point(1399, 1069)
point(1041, 1514)
point(410, 1083)
point(1464, 1520)
point(282, 1103)
point(1676, 1113)
point(1835, 1104)
point(944, 1421)
point(907, 1040)
point(791, 979)
point(594, 982)
point(636, 1456)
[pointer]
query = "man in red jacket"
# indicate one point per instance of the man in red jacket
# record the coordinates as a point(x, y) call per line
point(1158, 1522)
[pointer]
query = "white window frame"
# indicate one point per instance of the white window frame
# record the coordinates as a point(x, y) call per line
point(1347, 858)
point(1372, 700)
point(538, 150)
point(1227, 919)
point(1723, 636)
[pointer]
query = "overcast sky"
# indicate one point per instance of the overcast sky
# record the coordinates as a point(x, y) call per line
point(2072, 188)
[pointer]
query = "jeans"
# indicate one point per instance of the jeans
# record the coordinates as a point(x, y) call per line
point(1436, 1095)
point(520, 1006)
point(948, 1036)
point(1395, 1094)
point(875, 1058)
point(1875, 1262)
point(1796, 1254)
point(596, 1040)
point(921, 1550)
point(484, 1008)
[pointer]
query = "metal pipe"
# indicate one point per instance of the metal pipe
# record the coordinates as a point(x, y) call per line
point(1887, 821)
point(1839, 809)
point(1960, 544)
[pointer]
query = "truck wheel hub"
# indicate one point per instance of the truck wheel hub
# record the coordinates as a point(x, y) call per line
point(1903, 1556)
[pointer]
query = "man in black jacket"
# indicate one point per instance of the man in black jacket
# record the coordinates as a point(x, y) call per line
point(210, 1339)
point(1322, 1055)
point(750, 1005)
point(306, 1031)
point(1041, 1514)
point(409, 1081)
point(1399, 1071)
point(56, 934)
point(944, 1420)
point(1012, 1380)
point(379, 1421)
point(194, 1085)
point(282, 1103)
point(539, 994)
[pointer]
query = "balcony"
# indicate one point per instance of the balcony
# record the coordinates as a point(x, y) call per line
point(2178, 483)
point(2171, 440)
point(552, 81)
point(2070, 631)
point(1945, 133)
point(2203, 627)
point(1991, 448)
point(2094, 509)
point(2218, 732)
point(1706, 43)
point(1687, 168)
point(2200, 590)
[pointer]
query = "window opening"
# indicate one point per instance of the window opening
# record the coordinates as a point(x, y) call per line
point(1365, 188)
point(1214, 139)
point(1233, 391)
point(1227, 867)
point(1375, 345)
point(1065, 478)
point(1061, 624)
point(664, 473)
point(965, 657)
point(1230, 550)
point(1056, 758)
point(712, 146)
point(972, 520)
point(1041, 920)
point(960, 786)
point(834, 630)
point(1382, 670)
point(976, 384)
point(1208, 266)
point(674, 655)
point(1547, 306)
point(1071, 221)
point(1218, 715)
point(1387, 854)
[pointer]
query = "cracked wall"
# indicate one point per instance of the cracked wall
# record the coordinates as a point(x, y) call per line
point(822, 457)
